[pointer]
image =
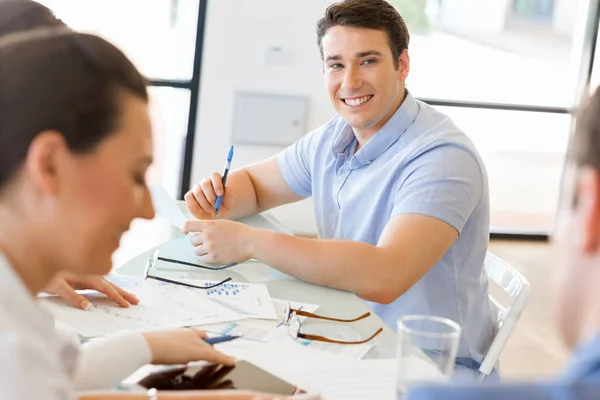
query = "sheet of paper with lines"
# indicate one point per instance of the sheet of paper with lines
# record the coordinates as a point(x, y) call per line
point(162, 305)
point(250, 299)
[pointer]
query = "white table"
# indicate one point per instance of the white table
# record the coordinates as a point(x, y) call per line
point(147, 236)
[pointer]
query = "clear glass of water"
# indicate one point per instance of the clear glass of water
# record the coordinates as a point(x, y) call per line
point(426, 351)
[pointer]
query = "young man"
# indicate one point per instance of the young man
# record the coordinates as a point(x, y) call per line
point(400, 193)
point(577, 244)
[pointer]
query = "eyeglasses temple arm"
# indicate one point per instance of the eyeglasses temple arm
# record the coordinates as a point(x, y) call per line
point(171, 260)
point(309, 314)
point(324, 339)
point(158, 278)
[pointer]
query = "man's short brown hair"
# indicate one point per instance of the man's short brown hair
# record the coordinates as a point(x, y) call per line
point(369, 14)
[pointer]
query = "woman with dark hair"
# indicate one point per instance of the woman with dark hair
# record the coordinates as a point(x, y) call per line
point(75, 143)
point(25, 15)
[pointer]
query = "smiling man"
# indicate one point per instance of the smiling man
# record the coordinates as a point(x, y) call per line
point(400, 193)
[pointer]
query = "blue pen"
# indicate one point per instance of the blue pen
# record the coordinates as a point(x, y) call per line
point(220, 339)
point(224, 179)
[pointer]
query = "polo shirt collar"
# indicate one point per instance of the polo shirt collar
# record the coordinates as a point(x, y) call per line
point(383, 139)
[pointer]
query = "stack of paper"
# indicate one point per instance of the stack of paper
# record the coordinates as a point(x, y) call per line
point(162, 305)
point(249, 299)
point(333, 376)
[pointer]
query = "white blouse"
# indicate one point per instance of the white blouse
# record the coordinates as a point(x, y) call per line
point(37, 361)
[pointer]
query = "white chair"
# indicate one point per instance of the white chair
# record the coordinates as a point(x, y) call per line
point(517, 288)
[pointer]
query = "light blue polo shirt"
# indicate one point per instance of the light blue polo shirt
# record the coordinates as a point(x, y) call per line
point(418, 163)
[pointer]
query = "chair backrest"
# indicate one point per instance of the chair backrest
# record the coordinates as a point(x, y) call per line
point(514, 284)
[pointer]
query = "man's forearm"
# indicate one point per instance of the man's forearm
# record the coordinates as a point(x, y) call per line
point(409, 246)
point(259, 187)
point(245, 202)
point(356, 267)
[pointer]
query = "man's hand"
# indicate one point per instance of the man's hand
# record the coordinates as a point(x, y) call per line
point(202, 198)
point(65, 285)
point(221, 242)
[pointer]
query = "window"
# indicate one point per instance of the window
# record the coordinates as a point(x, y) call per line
point(524, 156)
point(169, 109)
point(515, 52)
point(160, 37)
point(509, 73)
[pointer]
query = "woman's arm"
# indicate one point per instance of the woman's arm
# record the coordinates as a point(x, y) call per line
point(184, 395)
point(104, 363)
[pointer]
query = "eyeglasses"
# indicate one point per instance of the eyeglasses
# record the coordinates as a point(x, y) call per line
point(291, 318)
point(154, 258)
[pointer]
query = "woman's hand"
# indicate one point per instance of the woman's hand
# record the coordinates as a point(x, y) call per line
point(180, 346)
point(65, 285)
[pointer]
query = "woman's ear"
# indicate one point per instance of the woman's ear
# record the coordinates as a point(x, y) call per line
point(44, 155)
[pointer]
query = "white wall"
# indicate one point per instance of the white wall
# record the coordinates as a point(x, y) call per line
point(566, 15)
point(237, 36)
point(471, 16)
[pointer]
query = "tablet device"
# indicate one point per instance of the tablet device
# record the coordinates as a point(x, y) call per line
point(247, 376)
point(205, 376)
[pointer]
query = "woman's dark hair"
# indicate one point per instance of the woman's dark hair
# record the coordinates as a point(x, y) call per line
point(56, 79)
point(369, 14)
point(23, 15)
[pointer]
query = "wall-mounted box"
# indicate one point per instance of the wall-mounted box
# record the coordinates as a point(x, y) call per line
point(268, 119)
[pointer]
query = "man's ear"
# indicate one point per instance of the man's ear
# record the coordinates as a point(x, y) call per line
point(43, 158)
point(404, 64)
point(588, 208)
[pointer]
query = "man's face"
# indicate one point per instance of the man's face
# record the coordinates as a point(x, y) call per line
point(363, 82)
point(577, 251)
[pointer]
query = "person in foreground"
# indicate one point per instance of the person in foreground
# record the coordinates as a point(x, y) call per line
point(577, 244)
point(20, 16)
point(75, 143)
point(400, 193)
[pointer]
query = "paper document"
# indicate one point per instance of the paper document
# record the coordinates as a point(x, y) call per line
point(354, 351)
point(364, 379)
point(259, 330)
point(332, 376)
point(249, 299)
point(166, 207)
point(162, 305)
point(275, 332)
